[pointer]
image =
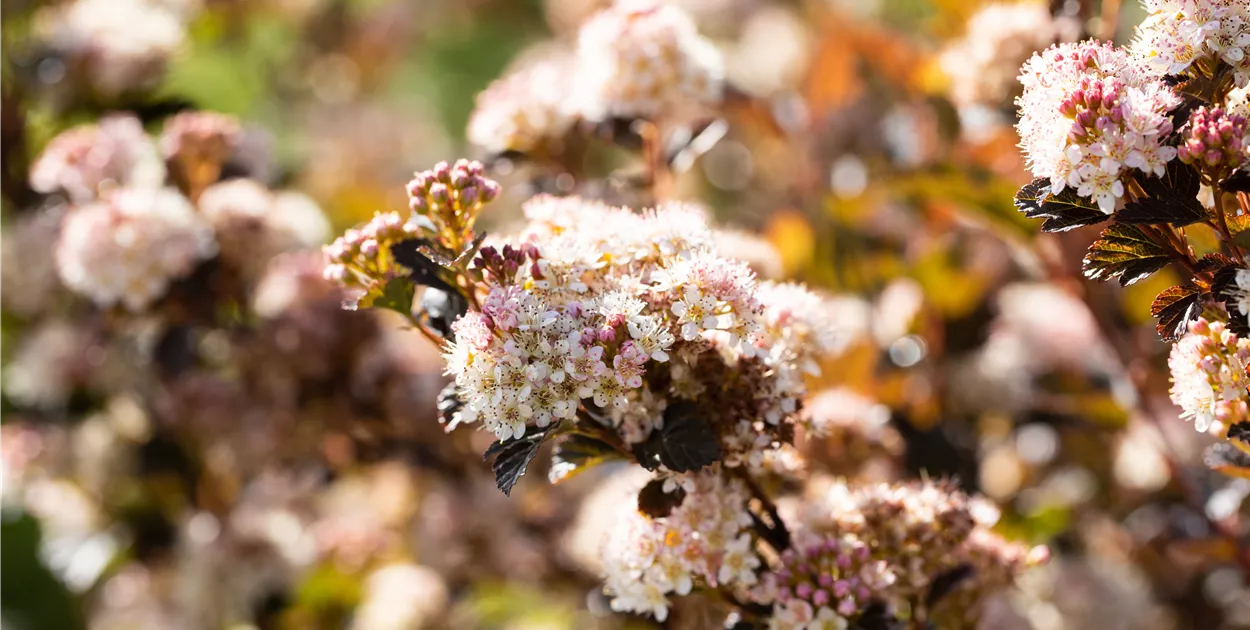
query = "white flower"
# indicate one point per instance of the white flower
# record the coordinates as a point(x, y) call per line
point(129, 247)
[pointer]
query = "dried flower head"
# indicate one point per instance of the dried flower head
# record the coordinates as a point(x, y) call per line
point(643, 59)
point(128, 247)
point(1088, 114)
point(197, 144)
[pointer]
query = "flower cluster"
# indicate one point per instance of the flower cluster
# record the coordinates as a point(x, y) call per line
point(1214, 140)
point(525, 109)
point(1089, 113)
point(634, 59)
point(128, 233)
point(999, 38)
point(197, 144)
point(704, 539)
point(1209, 378)
point(642, 60)
point(86, 160)
point(1179, 33)
point(128, 247)
point(823, 584)
point(121, 44)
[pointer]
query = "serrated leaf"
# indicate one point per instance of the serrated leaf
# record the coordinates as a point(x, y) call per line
point(1062, 212)
point(654, 502)
point(1227, 459)
point(1124, 251)
point(1175, 307)
point(685, 443)
point(396, 295)
point(1171, 199)
point(1029, 198)
point(513, 457)
point(577, 454)
point(424, 271)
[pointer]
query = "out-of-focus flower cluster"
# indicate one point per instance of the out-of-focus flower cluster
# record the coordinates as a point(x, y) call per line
point(984, 64)
point(637, 59)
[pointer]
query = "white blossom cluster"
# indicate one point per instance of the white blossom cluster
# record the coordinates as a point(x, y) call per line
point(1177, 33)
point(525, 108)
point(1090, 113)
point(126, 236)
point(634, 59)
point(643, 59)
point(1209, 381)
point(629, 312)
point(127, 248)
point(705, 539)
point(983, 64)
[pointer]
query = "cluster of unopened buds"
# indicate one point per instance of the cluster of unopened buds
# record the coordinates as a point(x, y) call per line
point(360, 259)
point(1215, 140)
point(450, 196)
point(828, 580)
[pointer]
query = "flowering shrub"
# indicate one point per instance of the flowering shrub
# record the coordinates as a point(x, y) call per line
point(1150, 127)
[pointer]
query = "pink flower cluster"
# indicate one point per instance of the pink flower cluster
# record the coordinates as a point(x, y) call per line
point(824, 583)
point(86, 160)
point(1209, 381)
point(1090, 113)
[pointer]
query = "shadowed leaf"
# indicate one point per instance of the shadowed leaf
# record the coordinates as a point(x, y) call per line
point(685, 443)
point(1062, 212)
point(577, 454)
point(1126, 252)
point(1239, 181)
point(1170, 199)
point(1240, 432)
point(425, 271)
point(1227, 459)
point(655, 502)
point(513, 457)
point(448, 404)
point(1175, 307)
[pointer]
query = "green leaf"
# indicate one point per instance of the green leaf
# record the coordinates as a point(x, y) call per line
point(1175, 307)
point(1124, 251)
point(1227, 459)
point(1062, 212)
point(685, 443)
point(513, 457)
point(396, 295)
point(578, 453)
point(1171, 199)
point(655, 502)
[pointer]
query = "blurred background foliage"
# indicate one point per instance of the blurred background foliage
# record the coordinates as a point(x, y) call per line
point(849, 159)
